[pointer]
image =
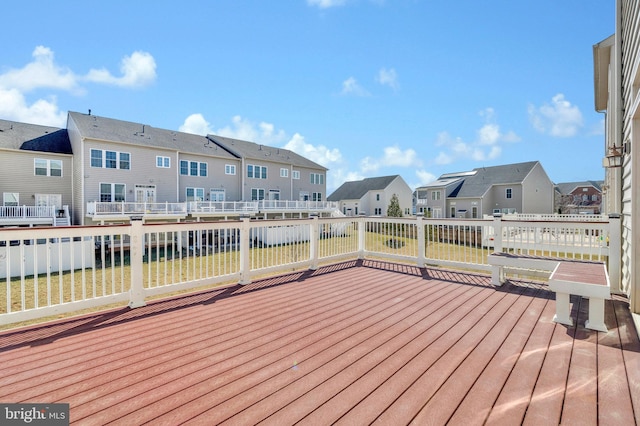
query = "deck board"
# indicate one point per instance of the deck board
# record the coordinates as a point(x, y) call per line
point(353, 343)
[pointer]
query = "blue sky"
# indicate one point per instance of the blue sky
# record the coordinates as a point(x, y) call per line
point(363, 87)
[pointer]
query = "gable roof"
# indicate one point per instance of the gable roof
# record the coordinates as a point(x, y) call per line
point(568, 187)
point(109, 129)
point(478, 184)
point(254, 151)
point(355, 190)
point(32, 137)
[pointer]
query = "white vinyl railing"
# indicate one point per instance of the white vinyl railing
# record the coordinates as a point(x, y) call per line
point(27, 212)
point(48, 271)
point(96, 208)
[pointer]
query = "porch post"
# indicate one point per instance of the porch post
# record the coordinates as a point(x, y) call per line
point(497, 271)
point(615, 252)
point(136, 252)
point(421, 240)
point(245, 265)
point(361, 234)
point(314, 241)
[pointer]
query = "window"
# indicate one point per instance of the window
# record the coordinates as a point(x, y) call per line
point(474, 212)
point(453, 212)
point(508, 193)
point(317, 178)
point(257, 194)
point(163, 162)
point(594, 197)
point(377, 211)
point(256, 172)
point(110, 192)
point(10, 198)
point(274, 194)
point(377, 197)
point(96, 158)
point(45, 167)
point(193, 168)
point(195, 194)
point(229, 169)
point(316, 196)
point(110, 159)
point(284, 172)
point(295, 174)
point(435, 195)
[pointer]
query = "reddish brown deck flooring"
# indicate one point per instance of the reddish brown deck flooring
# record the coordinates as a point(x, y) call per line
point(350, 344)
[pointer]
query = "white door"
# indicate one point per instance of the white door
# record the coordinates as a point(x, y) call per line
point(216, 195)
point(145, 194)
point(437, 213)
point(45, 200)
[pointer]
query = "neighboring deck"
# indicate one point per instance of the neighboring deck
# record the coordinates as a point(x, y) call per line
point(352, 343)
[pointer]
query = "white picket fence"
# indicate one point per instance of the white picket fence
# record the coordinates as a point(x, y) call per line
point(49, 271)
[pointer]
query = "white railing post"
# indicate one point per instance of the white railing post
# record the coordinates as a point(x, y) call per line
point(497, 232)
point(136, 252)
point(421, 240)
point(314, 241)
point(245, 265)
point(615, 252)
point(361, 234)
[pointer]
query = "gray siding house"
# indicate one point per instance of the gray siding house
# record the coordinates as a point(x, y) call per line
point(371, 196)
point(511, 188)
point(36, 174)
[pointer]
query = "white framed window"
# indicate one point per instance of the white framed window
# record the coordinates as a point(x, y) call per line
point(195, 194)
point(508, 193)
point(163, 162)
point(295, 174)
point(284, 172)
point(44, 167)
point(110, 159)
point(435, 195)
point(274, 194)
point(193, 168)
point(229, 169)
point(317, 178)
point(377, 197)
point(316, 196)
point(256, 172)
point(257, 194)
point(112, 192)
point(10, 199)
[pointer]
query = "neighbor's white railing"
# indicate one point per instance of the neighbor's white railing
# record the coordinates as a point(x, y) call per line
point(47, 271)
point(96, 208)
point(208, 207)
point(26, 212)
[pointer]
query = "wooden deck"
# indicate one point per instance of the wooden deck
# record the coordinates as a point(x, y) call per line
point(355, 343)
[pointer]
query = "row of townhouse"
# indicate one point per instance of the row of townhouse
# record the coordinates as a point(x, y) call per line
point(511, 188)
point(579, 197)
point(103, 170)
point(372, 196)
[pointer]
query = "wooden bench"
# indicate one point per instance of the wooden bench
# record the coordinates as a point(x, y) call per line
point(586, 279)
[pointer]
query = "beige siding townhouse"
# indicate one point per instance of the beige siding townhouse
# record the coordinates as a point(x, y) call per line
point(617, 94)
point(36, 169)
point(371, 196)
point(124, 162)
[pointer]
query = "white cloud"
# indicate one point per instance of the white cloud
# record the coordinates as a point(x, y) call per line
point(351, 87)
point(13, 106)
point(138, 70)
point(559, 118)
point(487, 145)
point(325, 4)
point(42, 72)
point(424, 177)
point(388, 77)
point(196, 124)
point(317, 153)
point(393, 156)
point(245, 130)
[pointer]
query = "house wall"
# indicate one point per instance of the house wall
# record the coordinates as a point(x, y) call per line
point(467, 205)
point(215, 179)
point(19, 167)
point(538, 192)
point(399, 187)
point(628, 39)
point(79, 204)
point(497, 198)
